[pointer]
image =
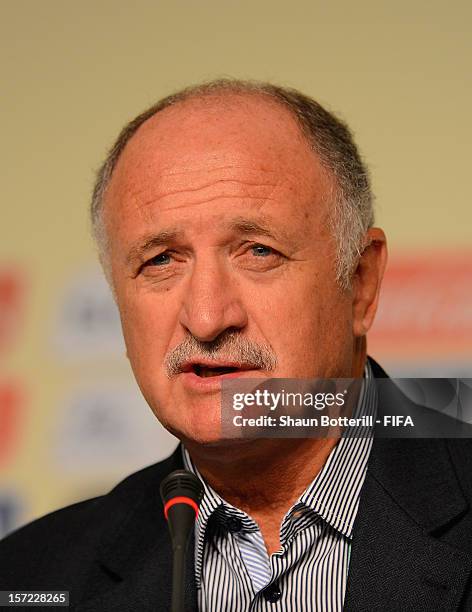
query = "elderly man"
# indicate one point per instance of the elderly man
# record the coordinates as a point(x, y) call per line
point(234, 222)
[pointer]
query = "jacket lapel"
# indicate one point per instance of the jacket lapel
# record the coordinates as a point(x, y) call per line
point(135, 556)
point(411, 496)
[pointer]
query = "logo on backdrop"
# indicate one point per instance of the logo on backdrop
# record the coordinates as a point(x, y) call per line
point(424, 309)
point(11, 404)
point(88, 324)
point(11, 306)
point(108, 430)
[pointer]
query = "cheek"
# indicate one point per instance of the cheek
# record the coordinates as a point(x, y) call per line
point(311, 331)
point(146, 329)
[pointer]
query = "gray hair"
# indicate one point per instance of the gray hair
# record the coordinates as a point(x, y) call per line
point(329, 137)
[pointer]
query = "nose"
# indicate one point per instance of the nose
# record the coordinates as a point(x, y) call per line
point(212, 302)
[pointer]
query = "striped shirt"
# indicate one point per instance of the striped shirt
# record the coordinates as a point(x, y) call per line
point(233, 570)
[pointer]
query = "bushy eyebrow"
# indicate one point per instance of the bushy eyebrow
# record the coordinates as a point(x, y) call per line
point(251, 227)
point(239, 225)
point(152, 241)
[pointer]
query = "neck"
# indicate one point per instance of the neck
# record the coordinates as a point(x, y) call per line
point(263, 478)
point(279, 469)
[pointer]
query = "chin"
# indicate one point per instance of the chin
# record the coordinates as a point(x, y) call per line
point(211, 441)
point(200, 437)
point(202, 426)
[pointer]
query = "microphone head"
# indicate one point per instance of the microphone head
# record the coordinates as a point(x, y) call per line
point(181, 487)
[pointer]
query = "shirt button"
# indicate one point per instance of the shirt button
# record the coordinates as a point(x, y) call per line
point(272, 593)
point(233, 524)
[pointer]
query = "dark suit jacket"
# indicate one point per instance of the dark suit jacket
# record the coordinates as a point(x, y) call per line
point(411, 548)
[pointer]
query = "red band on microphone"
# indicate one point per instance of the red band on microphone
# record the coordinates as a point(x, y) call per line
point(180, 500)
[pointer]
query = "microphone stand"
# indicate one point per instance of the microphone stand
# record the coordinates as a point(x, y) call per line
point(181, 494)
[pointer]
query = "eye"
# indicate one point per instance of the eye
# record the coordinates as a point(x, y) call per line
point(260, 250)
point(163, 267)
point(259, 257)
point(159, 260)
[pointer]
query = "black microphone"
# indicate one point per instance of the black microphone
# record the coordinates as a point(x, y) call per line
point(181, 494)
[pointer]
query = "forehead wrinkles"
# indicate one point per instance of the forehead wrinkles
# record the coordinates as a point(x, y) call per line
point(190, 185)
point(179, 189)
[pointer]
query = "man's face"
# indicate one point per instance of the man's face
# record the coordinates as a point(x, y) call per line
point(221, 257)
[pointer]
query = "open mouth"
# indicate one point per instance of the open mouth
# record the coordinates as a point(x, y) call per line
point(204, 371)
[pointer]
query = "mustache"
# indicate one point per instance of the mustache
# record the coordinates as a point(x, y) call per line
point(228, 346)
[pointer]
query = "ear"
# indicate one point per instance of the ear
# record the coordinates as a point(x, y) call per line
point(366, 281)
